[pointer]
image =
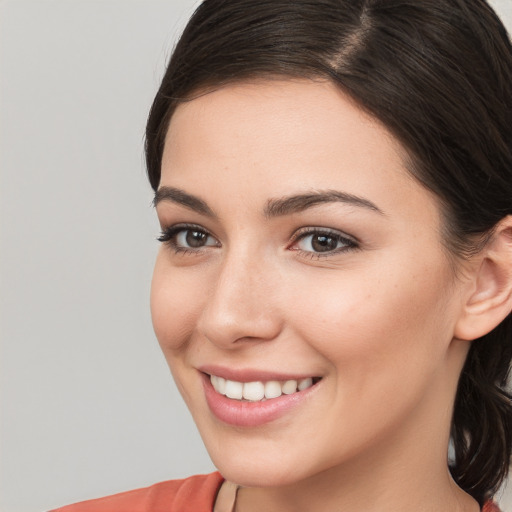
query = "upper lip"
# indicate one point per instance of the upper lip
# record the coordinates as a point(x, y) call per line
point(251, 374)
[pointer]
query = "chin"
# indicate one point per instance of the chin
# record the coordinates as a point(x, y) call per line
point(261, 466)
point(256, 475)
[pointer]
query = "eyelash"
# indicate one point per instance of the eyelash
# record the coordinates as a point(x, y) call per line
point(349, 243)
point(169, 235)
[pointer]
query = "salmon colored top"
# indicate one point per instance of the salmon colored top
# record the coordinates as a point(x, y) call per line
point(490, 506)
point(194, 494)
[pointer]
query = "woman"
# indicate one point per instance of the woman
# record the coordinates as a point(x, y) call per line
point(333, 179)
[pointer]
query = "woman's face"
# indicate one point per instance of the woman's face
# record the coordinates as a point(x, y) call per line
point(297, 246)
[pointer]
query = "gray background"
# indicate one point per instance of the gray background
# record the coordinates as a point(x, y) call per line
point(88, 407)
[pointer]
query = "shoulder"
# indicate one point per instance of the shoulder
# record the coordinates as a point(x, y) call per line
point(490, 506)
point(194, 494)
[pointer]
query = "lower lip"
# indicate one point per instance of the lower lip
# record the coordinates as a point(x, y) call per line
point(251, 414)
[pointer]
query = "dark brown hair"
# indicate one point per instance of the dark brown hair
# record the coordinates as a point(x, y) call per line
point(438, 74)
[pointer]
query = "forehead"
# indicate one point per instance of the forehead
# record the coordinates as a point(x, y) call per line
point(270, 107)
point(291, 135)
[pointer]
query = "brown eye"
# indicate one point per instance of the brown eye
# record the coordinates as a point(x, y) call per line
point(323, 242)
point(195, 239)
point(187, 238)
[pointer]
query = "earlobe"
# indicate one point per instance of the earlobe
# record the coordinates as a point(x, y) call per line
point(490, 299)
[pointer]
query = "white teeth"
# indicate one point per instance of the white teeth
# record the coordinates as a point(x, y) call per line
point(221, 385)
point(254, 391)
point(305, 383)
point(289, 387)
point(234, 389)
point(257, 390)
point(273, 389)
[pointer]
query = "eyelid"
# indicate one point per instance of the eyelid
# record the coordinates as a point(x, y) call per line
point(352, 243)
point(169, 233)
point(312, 230)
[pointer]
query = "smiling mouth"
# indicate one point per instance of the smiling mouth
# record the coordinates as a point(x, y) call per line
point(260, 391)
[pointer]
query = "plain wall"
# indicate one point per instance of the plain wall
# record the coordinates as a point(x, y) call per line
point(88, 406)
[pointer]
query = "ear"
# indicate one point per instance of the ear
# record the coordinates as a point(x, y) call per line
point(489, 299)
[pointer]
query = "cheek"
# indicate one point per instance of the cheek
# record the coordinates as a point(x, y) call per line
point(385, 341)
point(382, 322)
point(176, 300)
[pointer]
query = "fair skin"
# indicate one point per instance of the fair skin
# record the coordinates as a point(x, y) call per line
point(354, 289)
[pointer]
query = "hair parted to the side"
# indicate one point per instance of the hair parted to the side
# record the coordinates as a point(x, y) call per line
point(438, 74)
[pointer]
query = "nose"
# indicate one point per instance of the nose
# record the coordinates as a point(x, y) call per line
point(241, 303)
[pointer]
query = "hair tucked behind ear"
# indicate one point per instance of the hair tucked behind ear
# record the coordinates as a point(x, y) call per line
point(438, 74)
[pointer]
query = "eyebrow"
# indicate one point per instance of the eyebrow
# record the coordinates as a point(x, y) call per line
point(275, 207)
point(175, 195)
point(301, 202)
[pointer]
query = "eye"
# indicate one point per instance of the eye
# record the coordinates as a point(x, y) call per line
point(319, 242)
point(193, 238)
point(187, 238)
